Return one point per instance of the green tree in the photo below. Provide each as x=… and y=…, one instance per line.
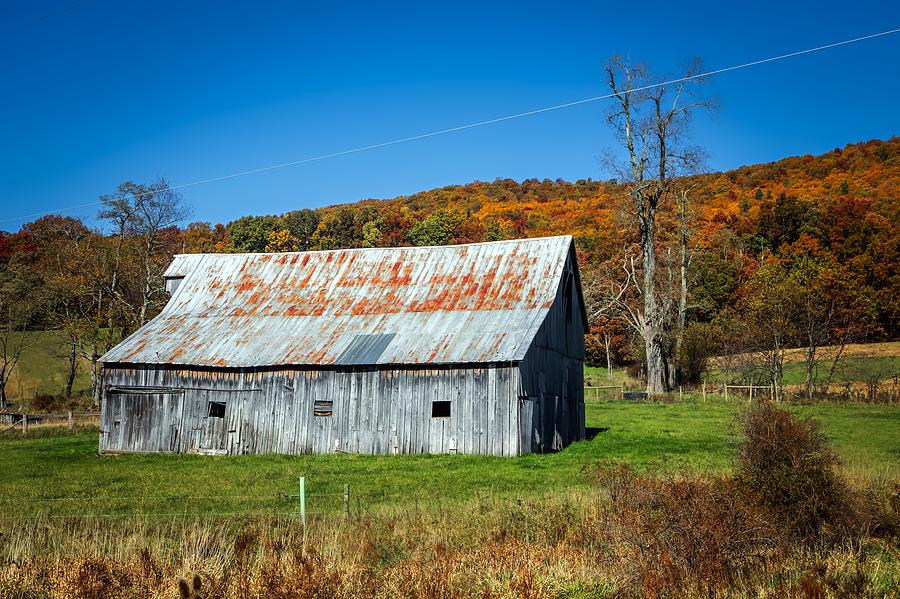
x=338, y=228
x=251, y=233
x=302, y=225
x=438, y=229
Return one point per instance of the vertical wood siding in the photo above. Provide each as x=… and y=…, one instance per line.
x=552, y=374
x=374, y=410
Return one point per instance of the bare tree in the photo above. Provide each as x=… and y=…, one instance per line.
x=685, y=252
x=155, y=212
x=831, y=310
x=142, y=214
x=770, y=309
x=119, y=211
x=651, y=122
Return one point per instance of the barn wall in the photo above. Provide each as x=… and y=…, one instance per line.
x=552, y=373
x=375, y=411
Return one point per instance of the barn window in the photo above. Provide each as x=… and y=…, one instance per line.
x=323, y=408
x=216, y=409
x=440, y=409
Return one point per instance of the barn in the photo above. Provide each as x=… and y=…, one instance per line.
x=474, y=349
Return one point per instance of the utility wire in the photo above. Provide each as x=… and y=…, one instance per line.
x=59, y=11
x=501, y=119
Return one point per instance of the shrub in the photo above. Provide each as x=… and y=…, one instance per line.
x=46, y=402
x=697, y=345
x=784, y=463
x=684, y=532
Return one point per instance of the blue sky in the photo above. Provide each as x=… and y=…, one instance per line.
x=111, y=90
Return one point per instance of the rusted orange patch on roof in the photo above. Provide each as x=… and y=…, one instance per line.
x=471, y=303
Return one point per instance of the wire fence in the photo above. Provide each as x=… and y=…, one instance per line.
x=322, y=503
x=149, y=506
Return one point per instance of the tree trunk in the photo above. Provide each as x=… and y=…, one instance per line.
x=834, y=364
x=776, y=369
x=95, y=381
x=606, y=341
x=684, y=237
x=810, y=369
x=73, y=367
x=657, y=365
x=655, y=348
x=148, y=279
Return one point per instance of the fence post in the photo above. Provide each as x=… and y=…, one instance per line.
x=24, y=424
x=704, y=391
x=346, y=501
x=726, y=391
x=751, y=393
x=303, y=501
x=71, y=421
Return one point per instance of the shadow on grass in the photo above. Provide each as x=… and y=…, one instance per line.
x=591, y=432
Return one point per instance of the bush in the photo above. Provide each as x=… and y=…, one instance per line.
x=784, y=463
x=684, y=532
x=697, y=345
x=46, y=402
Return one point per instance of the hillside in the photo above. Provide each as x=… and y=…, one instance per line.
x=807, y=239
x=859, y=180
x=842, y=206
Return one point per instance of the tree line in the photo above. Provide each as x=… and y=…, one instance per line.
x=677, y=264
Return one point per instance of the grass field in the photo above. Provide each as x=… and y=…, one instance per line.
x=859, y=362
x=848, y=370
x=686, y=436
x=42, y=368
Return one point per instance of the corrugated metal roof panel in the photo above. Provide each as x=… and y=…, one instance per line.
x=365, y=349
x=454, y=304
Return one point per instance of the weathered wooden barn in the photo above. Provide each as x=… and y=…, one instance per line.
x=460, y=349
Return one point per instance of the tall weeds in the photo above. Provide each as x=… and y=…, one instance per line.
x=636, y=534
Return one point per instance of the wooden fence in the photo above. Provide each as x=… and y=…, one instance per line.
x=598, y=389
x=594, y=392
x=11, y=420
x=769, y=390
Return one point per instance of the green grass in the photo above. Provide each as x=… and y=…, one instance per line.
x=43, y=368
x=688, y=435
x=848, y=370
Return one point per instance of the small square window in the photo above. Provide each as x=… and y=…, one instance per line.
x=323, y=408
x=440, y=409
x=216, y=409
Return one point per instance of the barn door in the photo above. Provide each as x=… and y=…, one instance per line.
x=213, y=436
x=528, y=433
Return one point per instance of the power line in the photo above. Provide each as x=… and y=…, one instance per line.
x=492, y=121
x=38, y=19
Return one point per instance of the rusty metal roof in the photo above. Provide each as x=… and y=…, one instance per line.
x=473, y=303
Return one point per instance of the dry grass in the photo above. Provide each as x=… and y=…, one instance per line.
x=628, y=533
x=658, y=537
x=851, y=350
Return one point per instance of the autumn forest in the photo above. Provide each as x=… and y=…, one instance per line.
x=802, y=252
